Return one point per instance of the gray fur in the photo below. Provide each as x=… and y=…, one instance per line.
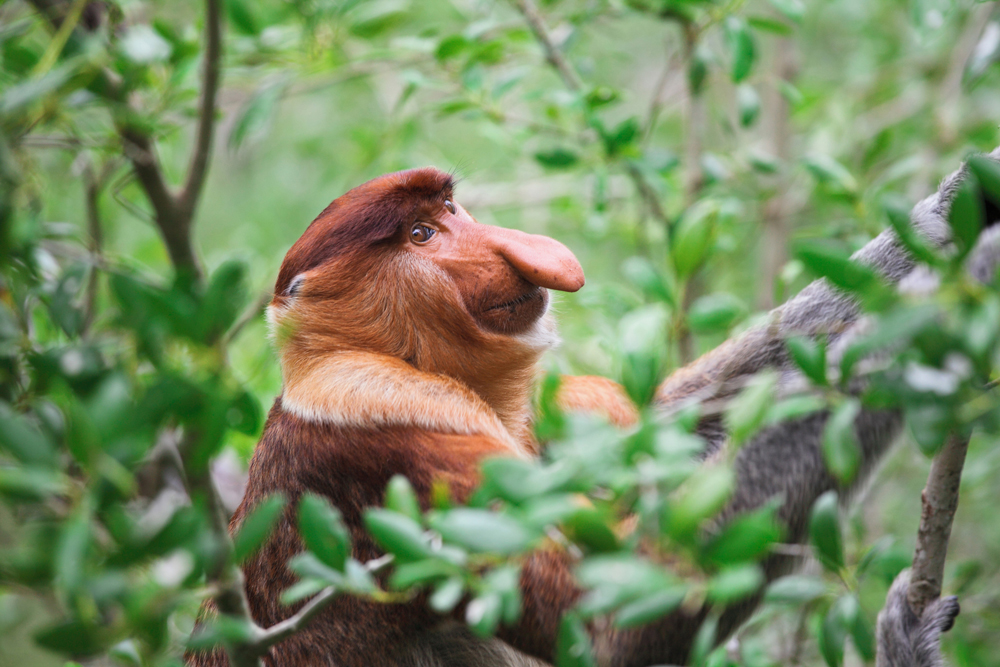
x=785, y=460
x=905, y=640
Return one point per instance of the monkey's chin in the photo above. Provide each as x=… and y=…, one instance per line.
x=516, y=316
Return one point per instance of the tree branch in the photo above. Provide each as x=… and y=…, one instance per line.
x=198, y=169
x=939, y=501
x=173, y=213
x=562, y=66
x=695, y=117
x=571, y=79
x=93, y=184
x=293, y=624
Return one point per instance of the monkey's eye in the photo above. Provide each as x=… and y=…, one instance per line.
x=421, y=234
x=450, y=205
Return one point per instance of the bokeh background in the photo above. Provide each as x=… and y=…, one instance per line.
x=750, y=125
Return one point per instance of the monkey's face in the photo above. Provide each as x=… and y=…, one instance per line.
x=502, y=276
x=396, y=267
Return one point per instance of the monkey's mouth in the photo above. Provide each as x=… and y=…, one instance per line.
x=516, y=315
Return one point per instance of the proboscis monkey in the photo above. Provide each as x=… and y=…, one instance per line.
x=409, y=335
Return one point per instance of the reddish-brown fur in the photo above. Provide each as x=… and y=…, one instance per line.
x=408, y=359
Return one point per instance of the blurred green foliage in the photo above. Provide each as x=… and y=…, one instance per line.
x=677, y=146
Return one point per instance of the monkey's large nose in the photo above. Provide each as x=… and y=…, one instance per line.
x=540, y=260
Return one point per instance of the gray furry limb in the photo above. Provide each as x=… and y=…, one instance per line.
x=785, y=460
x=903, y=639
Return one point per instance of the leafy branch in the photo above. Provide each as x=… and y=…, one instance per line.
x=173, y=210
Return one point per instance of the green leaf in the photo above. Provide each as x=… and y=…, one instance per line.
x=835, y=265
x=715, y=312
x=833, y=632
x=573, y=643
x=794, y=407
x=641, y=332
x=323, y=531
x=374, y=17
x=841, y=450
x=824, y=531
x=693, y=237
x=73, y=637
x=650, y=607
x=767, y=24
x=741, y=47
x=242, y=17
x=899, y=218
x=483, y=531
x=483, y=614
x=450, y=47
x=698, y=70
x=24, y=440
x=987, y=172
x=641, y=272
x=31, y=483
x=764, y=162
x=589, y=527
x=795, y=589
x=601, y=96
x=256, y=115
x=72, y=549
x=810, y=356
x=400, y=497
x=557, y=158
x=746, y=412
x=257, y=526
x=930, y=426
x=792, y=9
x=20, y=96
x=398, y=534
x=307, y=566
x=422, y=572
x=447, y=595
x=621, y=137
x=224, y=299
x=831, y=174
x=859, y=627
x=746, y=538
x=142, y=45
x=748, y=104
x=705, y=640
x=735, y=584
x=966, y=216
x=701, y=497
x=244, y=414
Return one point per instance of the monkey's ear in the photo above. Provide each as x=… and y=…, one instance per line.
x=294, y=285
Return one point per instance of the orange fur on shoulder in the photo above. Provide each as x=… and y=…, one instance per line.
x=592, y=394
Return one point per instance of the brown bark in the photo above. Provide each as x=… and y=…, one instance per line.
x=939, y=501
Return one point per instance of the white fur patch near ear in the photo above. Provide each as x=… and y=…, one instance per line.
x=362, y=389
x=295, y=285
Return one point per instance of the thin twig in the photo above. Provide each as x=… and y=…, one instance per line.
x=188, y=196
x=249, y=315
x=265, y=638
x=774, y=246
x=648, y=194
x=555, y=57
x=93, y=184
x=656, y=99
x=695, y=117
x=939, y=501
x=573, y=82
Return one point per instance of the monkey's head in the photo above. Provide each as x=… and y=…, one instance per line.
x=397, y=267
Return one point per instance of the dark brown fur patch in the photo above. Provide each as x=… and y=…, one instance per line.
x=368, y=214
